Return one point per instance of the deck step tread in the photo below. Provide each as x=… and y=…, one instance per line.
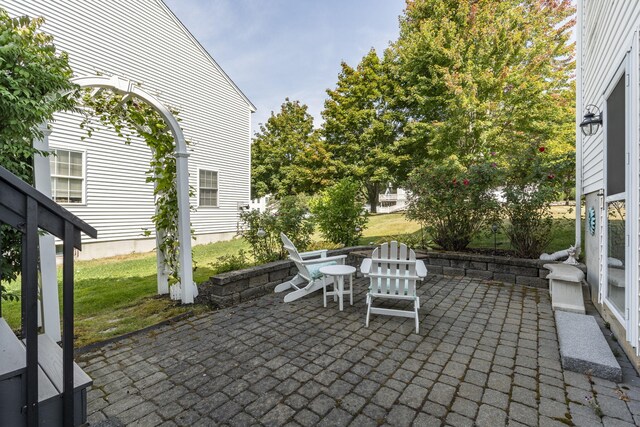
x=12, y=358
x=13, y=362
x=50, y=359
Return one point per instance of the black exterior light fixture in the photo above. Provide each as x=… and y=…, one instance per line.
x=591, y=121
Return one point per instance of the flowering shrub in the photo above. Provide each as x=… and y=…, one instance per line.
x=452, y=201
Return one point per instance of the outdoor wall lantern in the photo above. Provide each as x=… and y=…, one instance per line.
x=591, y=121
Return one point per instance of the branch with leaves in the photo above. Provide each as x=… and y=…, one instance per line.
x=130, y=118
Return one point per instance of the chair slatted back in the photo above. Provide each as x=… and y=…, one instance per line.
x=295, y=256
x=393, y=270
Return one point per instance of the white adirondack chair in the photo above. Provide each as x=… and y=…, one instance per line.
x=309, y=278
x=393, y=272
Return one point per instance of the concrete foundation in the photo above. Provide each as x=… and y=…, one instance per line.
x=94, y=250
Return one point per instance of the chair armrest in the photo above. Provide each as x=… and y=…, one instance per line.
x=365, y=267
x=421, y=269
x=321, y=253
x=325, y=259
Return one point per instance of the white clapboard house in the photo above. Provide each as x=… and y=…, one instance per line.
x=101, y=179
x=608, y=158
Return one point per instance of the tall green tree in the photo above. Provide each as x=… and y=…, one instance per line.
x=34, y=84
x=482, y=75
x=288, y=156
x=361, y=128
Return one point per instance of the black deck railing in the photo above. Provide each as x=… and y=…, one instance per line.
x=27, y=210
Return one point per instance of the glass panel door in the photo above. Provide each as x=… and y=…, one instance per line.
x=616, y=195
x=616, y=250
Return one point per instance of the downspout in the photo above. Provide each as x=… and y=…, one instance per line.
x=578, y=238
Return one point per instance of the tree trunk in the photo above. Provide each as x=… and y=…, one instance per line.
x=373, y=194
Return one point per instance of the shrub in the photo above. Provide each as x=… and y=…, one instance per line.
x=227, y=263
x=290, y=216
x=294, y=220
x=530, y=221
x=530, y=187
x=33, y=77
x=453, y=202
x=339, y=212
x=260, y=233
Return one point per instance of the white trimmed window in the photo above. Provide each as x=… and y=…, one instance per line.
x=67, y=176
x=208, y=188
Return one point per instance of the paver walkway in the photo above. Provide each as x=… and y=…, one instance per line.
x=487, y=355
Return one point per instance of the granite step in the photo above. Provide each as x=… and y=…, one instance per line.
x=583, y=347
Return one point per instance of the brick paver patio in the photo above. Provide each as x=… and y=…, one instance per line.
x=487, y=355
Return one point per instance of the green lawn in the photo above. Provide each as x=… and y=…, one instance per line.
x=117, y=295
x=383, y=226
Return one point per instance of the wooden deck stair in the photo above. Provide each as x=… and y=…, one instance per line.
x=50, y=385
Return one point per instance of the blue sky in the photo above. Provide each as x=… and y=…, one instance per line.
x=273, y=49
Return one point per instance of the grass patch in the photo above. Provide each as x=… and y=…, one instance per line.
x=117, y=295
x=381, y=226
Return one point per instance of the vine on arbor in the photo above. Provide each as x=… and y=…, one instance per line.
x=131, y=117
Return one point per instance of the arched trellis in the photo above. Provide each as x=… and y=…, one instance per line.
x=186, y=289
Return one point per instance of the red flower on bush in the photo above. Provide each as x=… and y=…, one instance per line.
x=465, y=182
x=551, y=176
x=541, y=149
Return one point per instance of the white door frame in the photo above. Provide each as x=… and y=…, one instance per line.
x=627, y=318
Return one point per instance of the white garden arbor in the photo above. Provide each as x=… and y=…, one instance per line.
x=186, y=289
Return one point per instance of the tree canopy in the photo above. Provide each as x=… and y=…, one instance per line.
x=287, y=154
x=480, y=76
x=361, y=128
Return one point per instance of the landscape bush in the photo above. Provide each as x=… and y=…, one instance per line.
x=339, y=212
x=34, y=84
x=289, y=215
x=530, y=186
x=453, y=202
x=231, y=262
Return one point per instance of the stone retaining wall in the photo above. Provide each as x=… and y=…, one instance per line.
x=224, y=290
x=526, y=272
x=230, y=288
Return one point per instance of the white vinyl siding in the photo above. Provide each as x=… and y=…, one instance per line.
x=609, y=57
x=67, y=176
x=143, y=42
x=208, y=188
x=607, y=33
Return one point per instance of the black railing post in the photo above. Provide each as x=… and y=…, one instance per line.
x=1, y=231
x=23, y=263
x=25, y=209
x=30, y=296
x=67, y=324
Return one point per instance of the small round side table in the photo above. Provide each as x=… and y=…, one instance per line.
x=338, y=272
